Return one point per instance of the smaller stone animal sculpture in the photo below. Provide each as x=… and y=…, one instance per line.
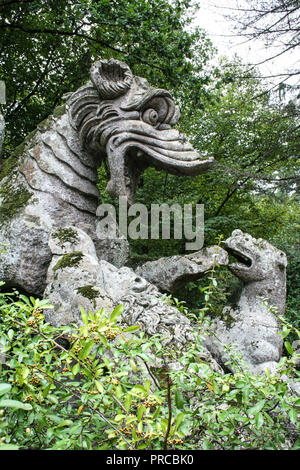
x=250, y=324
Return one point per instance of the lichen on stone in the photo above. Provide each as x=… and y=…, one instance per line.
x=59, y=110
x=8, y=166
x=31, y=135
x=69, y=260
x=43, y=125
x=65, y=235
x=89, y=292
x=10, y=163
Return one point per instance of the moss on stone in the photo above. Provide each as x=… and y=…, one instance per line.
x=10, y=163
x=43, y=125
x=59, y=110
x=8, y=166
x=31, y=135
x=227, y=318
x=14, y=197
x=65, y=235
x=89, y=292
x=19, y=150
x=69, y=260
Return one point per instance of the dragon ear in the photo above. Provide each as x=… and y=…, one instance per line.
x=112, y=78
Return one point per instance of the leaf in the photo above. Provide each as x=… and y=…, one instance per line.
x=133, y=365
x=296, y=446
x=259, y=420
x=209, y=386
x=25, y=372
x=128, y=401
x=45, y=304
x=15, y=404
x=84, y=316
x=103, y=340
x=53, y=399
x=25, y=299
x=245, y=395
x=285, y=331
x=4, y=388
x=137, y=389
x=147, y=385
x=131, y=328
x=289, y=348
x=76, y=369
x=99, y=386
x=8, y=447
x=256, y=408
x=87, y=349
x=206, y=444
x=116, y=313
x=141, y=411
x=179, y=419
x=157, y=411
x=293, y=415
x=65, y=422
x=80, y=409
x=46, y=391
x=179, y=399
x=119, y=417
x=10, y=334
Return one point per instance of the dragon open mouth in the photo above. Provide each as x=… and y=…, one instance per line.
x=240, y=257
x=133, y=146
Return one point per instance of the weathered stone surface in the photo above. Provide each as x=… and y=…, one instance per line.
x=69, y=239
x=76, y=278
x=39, y=191
x=72, y=277
x=75, y=269
x=143, y=304
x=114, y=250
x=169, y=274
x=251, y=325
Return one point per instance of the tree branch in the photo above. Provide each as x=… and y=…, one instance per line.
x=60, y=32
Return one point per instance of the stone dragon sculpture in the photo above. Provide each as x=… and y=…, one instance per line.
x=49, y=194
x=51, y=179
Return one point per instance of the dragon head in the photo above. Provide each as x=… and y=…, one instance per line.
x=122, y=117
x=256, y=258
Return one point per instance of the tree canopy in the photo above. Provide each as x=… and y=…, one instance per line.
x=277, y=24
x=47, y=48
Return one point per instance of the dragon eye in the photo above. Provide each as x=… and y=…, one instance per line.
x=160, y=110
x=150, y=116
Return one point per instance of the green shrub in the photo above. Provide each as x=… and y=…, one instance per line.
x=98, y=386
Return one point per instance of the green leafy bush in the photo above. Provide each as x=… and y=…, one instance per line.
x=101, y=386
